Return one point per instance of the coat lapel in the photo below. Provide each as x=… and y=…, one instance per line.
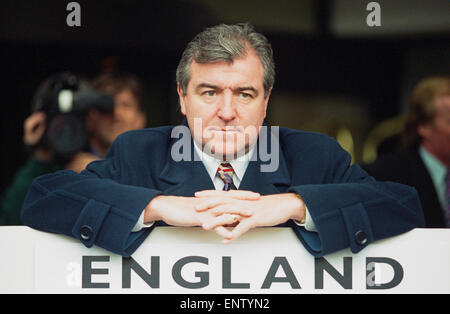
x=185, y=177
x=189, y=176
x=274, y=182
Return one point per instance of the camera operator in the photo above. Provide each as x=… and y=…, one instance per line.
x=129, y=113
x=63, y=132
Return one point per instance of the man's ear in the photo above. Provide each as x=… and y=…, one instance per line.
x=424, y=130
x=181, y=97
x=266, y=101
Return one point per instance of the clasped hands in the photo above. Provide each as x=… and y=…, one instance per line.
x=219, y=210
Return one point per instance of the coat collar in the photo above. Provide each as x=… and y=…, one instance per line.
x=186, y=177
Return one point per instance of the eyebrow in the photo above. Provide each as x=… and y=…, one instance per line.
x=247, y=88
x=238, y=89
x=205, y=85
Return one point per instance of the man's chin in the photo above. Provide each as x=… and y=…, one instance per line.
x=228, y=153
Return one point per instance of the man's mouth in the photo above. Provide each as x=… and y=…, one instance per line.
x=226, y=129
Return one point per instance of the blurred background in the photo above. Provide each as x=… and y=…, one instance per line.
x=335, y=74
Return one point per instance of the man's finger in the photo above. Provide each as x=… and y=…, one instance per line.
x=234, y=208
x=244, y=226
x=34, y=119
x=225, y=219
x=223, y=206
x=210, y=203
x=238, y=194
x=223, y=232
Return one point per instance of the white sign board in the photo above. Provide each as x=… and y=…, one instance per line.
x=193, y=261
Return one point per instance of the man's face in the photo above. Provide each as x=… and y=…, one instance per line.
x=436, y=134
x=228, y=99
x=127, y=116
x=127, y=113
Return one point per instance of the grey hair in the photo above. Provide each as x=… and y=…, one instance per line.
x=225, y=43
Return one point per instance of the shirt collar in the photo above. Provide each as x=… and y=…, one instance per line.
x=211, y=164
x=436, y=168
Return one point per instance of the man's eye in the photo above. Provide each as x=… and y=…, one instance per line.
x=125, y=104
x=210, y=93
x=245, y=95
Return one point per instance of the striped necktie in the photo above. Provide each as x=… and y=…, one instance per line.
x=447, y=196
x=225, y=173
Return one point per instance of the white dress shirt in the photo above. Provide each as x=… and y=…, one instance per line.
x=239, y=167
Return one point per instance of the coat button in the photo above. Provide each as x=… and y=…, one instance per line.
x=361, y=237
x=86, y=232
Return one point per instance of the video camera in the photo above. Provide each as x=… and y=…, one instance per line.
x=66, y=99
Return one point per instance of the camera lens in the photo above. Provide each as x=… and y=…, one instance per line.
x=66, y=135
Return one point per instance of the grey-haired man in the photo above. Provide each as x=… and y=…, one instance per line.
x=225, y=78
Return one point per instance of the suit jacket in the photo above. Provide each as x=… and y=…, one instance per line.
x=102, y=204
x=407, y=167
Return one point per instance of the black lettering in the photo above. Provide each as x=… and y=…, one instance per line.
x=226, y=276
x=290, y=277
x=370, y=273
x=88, y=271
x=151, y=279
x=204, y=276
x=322, y=265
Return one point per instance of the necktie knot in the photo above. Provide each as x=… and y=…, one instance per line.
x=225, y=172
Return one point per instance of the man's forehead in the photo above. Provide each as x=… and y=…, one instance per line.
x=243, y=71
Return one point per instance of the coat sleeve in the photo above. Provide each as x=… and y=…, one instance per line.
x=351, y=209
x=93, y=206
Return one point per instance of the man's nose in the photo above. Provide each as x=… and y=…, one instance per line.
x=227, y=109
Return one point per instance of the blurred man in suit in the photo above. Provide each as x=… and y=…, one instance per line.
x=223, y=168
x=425, y=163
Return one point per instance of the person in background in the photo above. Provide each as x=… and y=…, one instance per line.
x=128, y=115
x=222, y=180
x=102, y=127
x=424, y=163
